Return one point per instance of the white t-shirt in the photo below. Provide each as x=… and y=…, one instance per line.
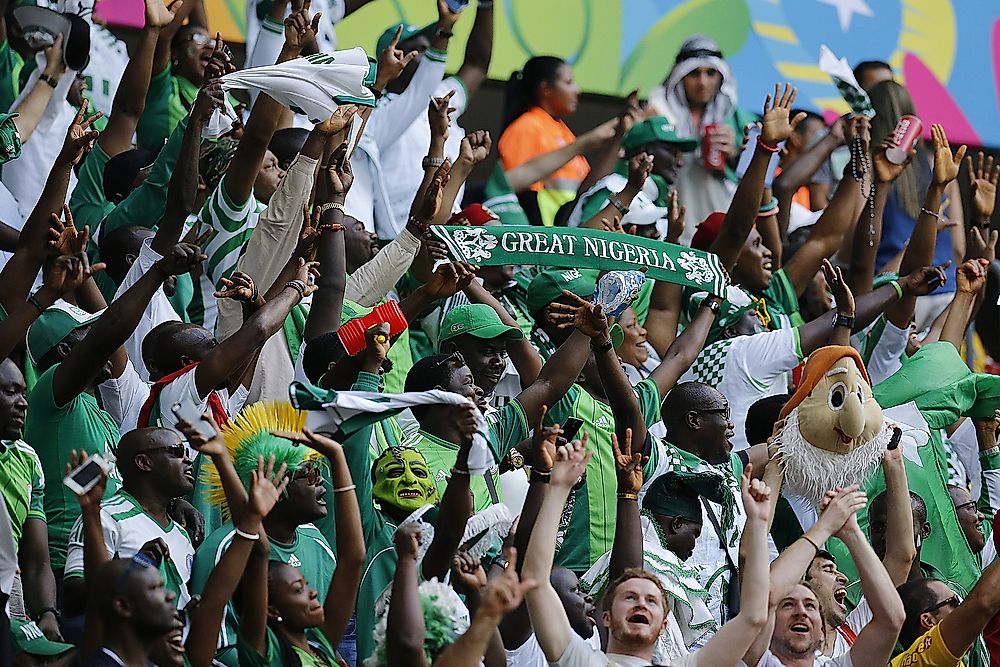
x=123, y=397
x=579, y=653
x=853, y=625
x=771, y=660
x=530, y=654
x=746, y=369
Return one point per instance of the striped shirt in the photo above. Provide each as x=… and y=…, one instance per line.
x=22, y=484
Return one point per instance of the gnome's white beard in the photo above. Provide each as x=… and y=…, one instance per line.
x=810, y=471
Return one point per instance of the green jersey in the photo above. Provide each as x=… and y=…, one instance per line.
x=587, y=528
x=309, y=553
x=81, y=424
x=11, y=64
x=22, y=484
x=167, y=102
x=281, y=654
x=506, y=428
x=782, y=302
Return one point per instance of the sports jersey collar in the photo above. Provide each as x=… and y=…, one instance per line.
x=128, y=496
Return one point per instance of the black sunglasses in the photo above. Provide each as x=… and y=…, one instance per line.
x=952, y=602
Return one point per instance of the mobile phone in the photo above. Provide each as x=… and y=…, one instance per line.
x=571, y=428
x=457, y=5
x=191, y=413
x=85, y=476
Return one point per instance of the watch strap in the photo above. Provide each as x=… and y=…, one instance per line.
x=434, y=162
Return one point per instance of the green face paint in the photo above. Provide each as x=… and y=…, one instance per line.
x=402, y=479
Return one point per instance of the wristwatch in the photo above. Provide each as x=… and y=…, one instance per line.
x=501, y=562
x=429, y=161
x=713, y=305
x=617, y=203
x=843, y=321
x=442, y=32
x=515, y=459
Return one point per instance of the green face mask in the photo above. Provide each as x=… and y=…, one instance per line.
x=403, y=480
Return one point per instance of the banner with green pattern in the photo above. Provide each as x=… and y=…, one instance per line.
x=582, y=248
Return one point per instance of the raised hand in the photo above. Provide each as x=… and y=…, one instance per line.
x=211, y=96
x=946, y=166
x=639, y=168
x=93, y=497
x=675, y=218
x=159, y=15
x=756, y=496
x=776, y=125
x=181, y=259
x=842, y=294
x=468, y=426
x=571, y=463
x=55, y=64
x=475, y=147
x=505, y=592
x=339, y=176
x=925, y=280
x=467, y=574
x=377, y=343
x=220, y=62
x=430, y=203
x=981, y=244
x=439, y=112
x=238, y=287
x=392, y=62
x=338, y=120
x=328, y=447
x=723, y=137
x=970, y=276
x=629, y=115
x=839, y=507
x=587, y=318
x=307, y=272
x=79, y=137
x=614, y=225
x=156, y=550
x=266, y=487
x=983, y=185
x=406, y=540
x=543, y=444
x=853, y=128
x=446, y=17
x=299, y=30
x=628, y=464
x=68, y=272
x=212, y=446
x=449, y=279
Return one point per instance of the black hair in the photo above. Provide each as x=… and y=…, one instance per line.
x=522, y=89
x=681, y=399
x=868, y=65
x=917, y=504
x=286, y=143
x=426, y=374
x=762, y=416
x=916, y=596
x=117, y=244
x=120, y=172
x=320, y=352
x=809, y=115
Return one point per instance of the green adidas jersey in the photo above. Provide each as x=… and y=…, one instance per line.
x=22, y=484
x=167, y=102
x=81, y=424
x=321, y=652
x=782, y=302
x=507, y=427
x=310, y=553
x=11, y=64
x=587, y=528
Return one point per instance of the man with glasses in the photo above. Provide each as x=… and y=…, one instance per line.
x=941, y=627
x=156, y=468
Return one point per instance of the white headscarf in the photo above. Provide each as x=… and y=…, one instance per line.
x=669, y=99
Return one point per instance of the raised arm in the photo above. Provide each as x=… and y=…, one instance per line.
x=733, y=639
x=32, y=107
x=474, y=149
x=254, y=608
x=970, y=280
x=742, y=213
x=455, y=507
x=548, y=617
x=899, y=543
x=404, y=636
x=962, y=627
x=801, y=171
x=875, y=642
x=478, y=50
x=685, y=348
x=627, y=549
x=639, y=168
x=94, y=554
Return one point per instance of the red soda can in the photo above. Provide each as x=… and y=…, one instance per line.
x=714, y=158
x=907, y=132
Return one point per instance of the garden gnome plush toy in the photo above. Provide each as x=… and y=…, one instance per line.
x=833, y=433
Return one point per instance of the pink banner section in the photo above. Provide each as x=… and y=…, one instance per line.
x=128, y=13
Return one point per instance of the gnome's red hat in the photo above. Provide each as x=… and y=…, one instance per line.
x=821, y=361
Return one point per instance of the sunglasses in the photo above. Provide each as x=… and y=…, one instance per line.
x=722, y=412
x=201, y=40
x=177, y=451
x=311, y=474
x=952, y=602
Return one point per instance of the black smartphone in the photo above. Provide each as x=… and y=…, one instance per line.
x=571, y=428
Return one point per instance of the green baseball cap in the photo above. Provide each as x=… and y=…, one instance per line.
x=10, y=140
x=476, y=319
x=29, y=638
x=409, y=32
x=655, y=129
x=55, y=324
x=548, y=286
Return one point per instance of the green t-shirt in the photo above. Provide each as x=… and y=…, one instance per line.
x=321, y=654
x=782, y=302
x=310, y=553
x=22, y=484
x=81, y=424
x=587, y=529
x=89, y=207
x=168, y=100
x=11, y=64
x=506, y=428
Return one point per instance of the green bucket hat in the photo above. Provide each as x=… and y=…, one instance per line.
x=476, y=319
x=737, y=302
x=409, y=31
x=548, y=286
x=10, y=140
x=677, y=493
x=655, y=129
x=53, y=325
x=29, y=638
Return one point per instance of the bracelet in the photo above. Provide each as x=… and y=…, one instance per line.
x=49, y=610
x=813, y=544
x=899, y=290
x=34, y=302
x=617, y=203
x=601, y=348
x=991, y=451
x=456, y=471
x=628, y=496
x=421, y=225
x=841, y=320
x=51, y=80
x=712, y=305
x=334, y=205
x=429, y=161
x=298, y=286
x=932, y=213
x=768, y=148
x=253, y=537
x=542, y=476
x=346, y=488
x=769, y=206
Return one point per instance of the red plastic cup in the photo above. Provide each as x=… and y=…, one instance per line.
x=713, y=156
x=352, y=332
x=907, y=132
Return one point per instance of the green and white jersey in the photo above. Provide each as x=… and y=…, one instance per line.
x=746, y=369
x=232, y=224
x=587, y=527
x=322, y=653
x=507, y=427
x=81, y=424
x=310, y=554
x=22, y=483
x=127, y=527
